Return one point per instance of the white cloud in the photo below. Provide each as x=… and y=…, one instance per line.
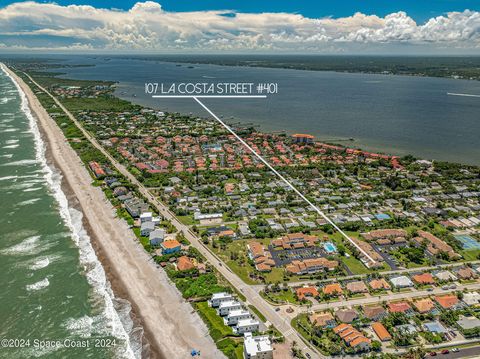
x=146, y=26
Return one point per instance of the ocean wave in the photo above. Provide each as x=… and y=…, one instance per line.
x=11, y=142
x=28, y=202
x=26, y=162
x=44, y=283
x=11, y=146
x=32, y=189
x=40, y=263
x=11, y=129
x=29, y=246
x=6, y=178
x=73, y=220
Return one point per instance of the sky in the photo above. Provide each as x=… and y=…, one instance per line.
x=307, y=26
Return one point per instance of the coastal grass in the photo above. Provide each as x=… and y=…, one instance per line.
x=257, y=313
x=218, y=329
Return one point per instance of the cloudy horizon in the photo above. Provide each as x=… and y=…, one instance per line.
x=146, y=27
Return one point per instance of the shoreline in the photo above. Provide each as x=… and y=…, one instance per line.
x=130, y=273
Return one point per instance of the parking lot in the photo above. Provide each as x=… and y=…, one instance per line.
x=284, y=257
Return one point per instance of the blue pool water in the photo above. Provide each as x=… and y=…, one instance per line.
x=330, y=247
x=468, y=242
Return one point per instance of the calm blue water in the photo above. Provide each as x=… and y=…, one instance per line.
x=392, y=114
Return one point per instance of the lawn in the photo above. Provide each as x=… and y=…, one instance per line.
x=257, y=313
x=281, y=296
x=186, y=220
x=241, y=265
x=470, y=255
x=355, y=265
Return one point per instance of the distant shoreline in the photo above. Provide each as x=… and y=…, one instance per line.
x=157, y=305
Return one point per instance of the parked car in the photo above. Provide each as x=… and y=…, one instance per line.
x=445, y=351
x=433, y=354
x=455, y=350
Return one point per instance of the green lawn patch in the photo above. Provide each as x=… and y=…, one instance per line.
x=218, y=329
x=257, y=312
x=470, y=255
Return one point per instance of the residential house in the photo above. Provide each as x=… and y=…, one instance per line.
x=258, y=347
x=170, y=246
x=346, y=315
x=381, y=332
x=445, y=276
x=323, y=319
x=375, y=312
x=379, y=284
x=352, y=337
x=226, y=307
x=435, y=327
x=234, y=316
x=400, y=307
x=467, y=323
x=466, y=273
x=146, y=228
x=357, y=287
x=424, y=305
x=401, y=282
x=156, y=237
x=423, y=279
x=218, y=298
x=448, y=301
x=333, y=289
x=248, y=325
x=310, y=266
x=435, y=245
x=260, y=256
x=471, y=298
x=185, y=263
x=306, y=292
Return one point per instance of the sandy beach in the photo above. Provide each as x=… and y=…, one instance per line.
x=172, y=328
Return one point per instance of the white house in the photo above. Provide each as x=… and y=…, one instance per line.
x=257, y=347
x=227, y=307
x=146, y=228
x=246, y=325
x=401, y=282
x=218, y=298
x=208, y=218
x=146, y=217
x=156, y=237
x=471, y=298
x=235, y=315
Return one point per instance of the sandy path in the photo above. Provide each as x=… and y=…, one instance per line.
x=171, y=326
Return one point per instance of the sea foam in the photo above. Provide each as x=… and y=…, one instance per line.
x=73, y=220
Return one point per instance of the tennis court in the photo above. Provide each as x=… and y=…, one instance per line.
x=468, y=242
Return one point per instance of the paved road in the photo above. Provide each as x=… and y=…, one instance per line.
x=389, y=297
x=383, y=273
x=281, y=323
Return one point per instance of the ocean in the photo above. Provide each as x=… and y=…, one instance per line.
x=53, y=286
x=386, y=113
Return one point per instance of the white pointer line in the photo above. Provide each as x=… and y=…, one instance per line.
x=209, y=96
x=462, y=94
x=285, y=180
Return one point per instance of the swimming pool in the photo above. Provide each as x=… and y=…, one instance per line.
x=329, y=247
x=468, y=242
